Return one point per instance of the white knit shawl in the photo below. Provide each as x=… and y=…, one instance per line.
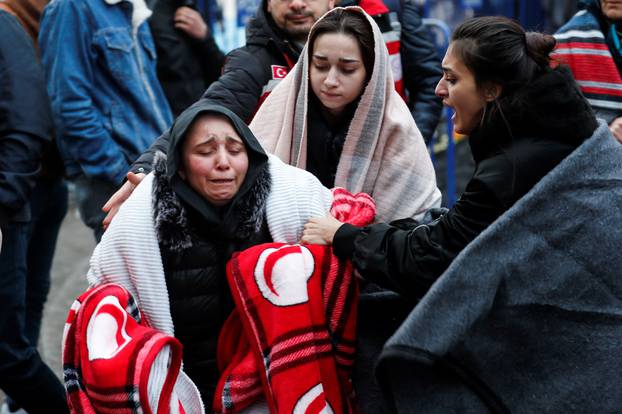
x=129, y=253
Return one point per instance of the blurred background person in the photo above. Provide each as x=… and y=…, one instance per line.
x=25, y=133
x=590, y=45
x=189, y=59
x=107, y=103
x=48, y=202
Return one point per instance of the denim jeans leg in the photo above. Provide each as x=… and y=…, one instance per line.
x=91, y=195
x=23, y=375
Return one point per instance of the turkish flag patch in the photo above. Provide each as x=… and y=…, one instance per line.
x=279, y=72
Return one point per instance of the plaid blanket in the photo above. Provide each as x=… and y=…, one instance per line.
x=113, y=363
x=292, y=336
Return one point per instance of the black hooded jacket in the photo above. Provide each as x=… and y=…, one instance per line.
x=547, y=120
x=245, y=73
x=197, y=239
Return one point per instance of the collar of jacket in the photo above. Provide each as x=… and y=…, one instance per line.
x=551, y=106
x=140, y=11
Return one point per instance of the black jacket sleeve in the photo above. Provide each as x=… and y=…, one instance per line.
x=238, y=89
x=25, y=118
x=409, y=261
x=421, y=70
x=241, y=84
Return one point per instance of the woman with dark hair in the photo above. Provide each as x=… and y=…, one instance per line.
x=517, y=286
x=522, y=118
x=337, y=115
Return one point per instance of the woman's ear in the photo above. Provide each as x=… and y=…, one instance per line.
x=492, y=92
x=182, y=173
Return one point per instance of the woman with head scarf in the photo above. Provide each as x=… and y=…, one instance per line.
x=337, y=115
x=218, y=192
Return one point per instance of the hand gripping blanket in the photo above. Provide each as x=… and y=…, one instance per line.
x=292, y=337
x=114, y=363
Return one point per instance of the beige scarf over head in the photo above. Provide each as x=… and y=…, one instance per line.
x=384, y=154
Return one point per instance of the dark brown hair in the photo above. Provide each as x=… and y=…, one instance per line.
x=497, y=49
x=350, y=22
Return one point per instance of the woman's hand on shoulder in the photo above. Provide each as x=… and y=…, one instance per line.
x=320, y=230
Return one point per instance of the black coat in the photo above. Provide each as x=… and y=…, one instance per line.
x=197, y=239
x=548, y=120
x=245, y=73
x=25, y=119
x=186, y=67
x=325, y=141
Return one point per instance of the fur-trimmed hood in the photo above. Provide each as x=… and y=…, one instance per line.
x=176, y=202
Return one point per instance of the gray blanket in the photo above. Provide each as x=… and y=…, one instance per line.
x=528, y=318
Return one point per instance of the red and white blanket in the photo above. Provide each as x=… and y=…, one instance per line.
x=115, y=364
x=291, y=339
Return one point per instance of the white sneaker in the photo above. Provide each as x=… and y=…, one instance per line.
x=5, y=410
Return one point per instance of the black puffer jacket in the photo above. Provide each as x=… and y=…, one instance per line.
x=247, y=70
x=547, y=120
x=196, y=241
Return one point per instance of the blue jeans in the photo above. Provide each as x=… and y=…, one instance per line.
x=48, y=208
x=23, y=375
x=91, y=195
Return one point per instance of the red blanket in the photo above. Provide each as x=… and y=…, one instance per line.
x=292, y=337
x=108, y=355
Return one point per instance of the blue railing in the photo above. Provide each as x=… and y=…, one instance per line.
x=436, y=25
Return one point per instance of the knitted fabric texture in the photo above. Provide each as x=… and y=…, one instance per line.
x=383, y=155
x=113, y=362
x=291, y=338
x=582, y=46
